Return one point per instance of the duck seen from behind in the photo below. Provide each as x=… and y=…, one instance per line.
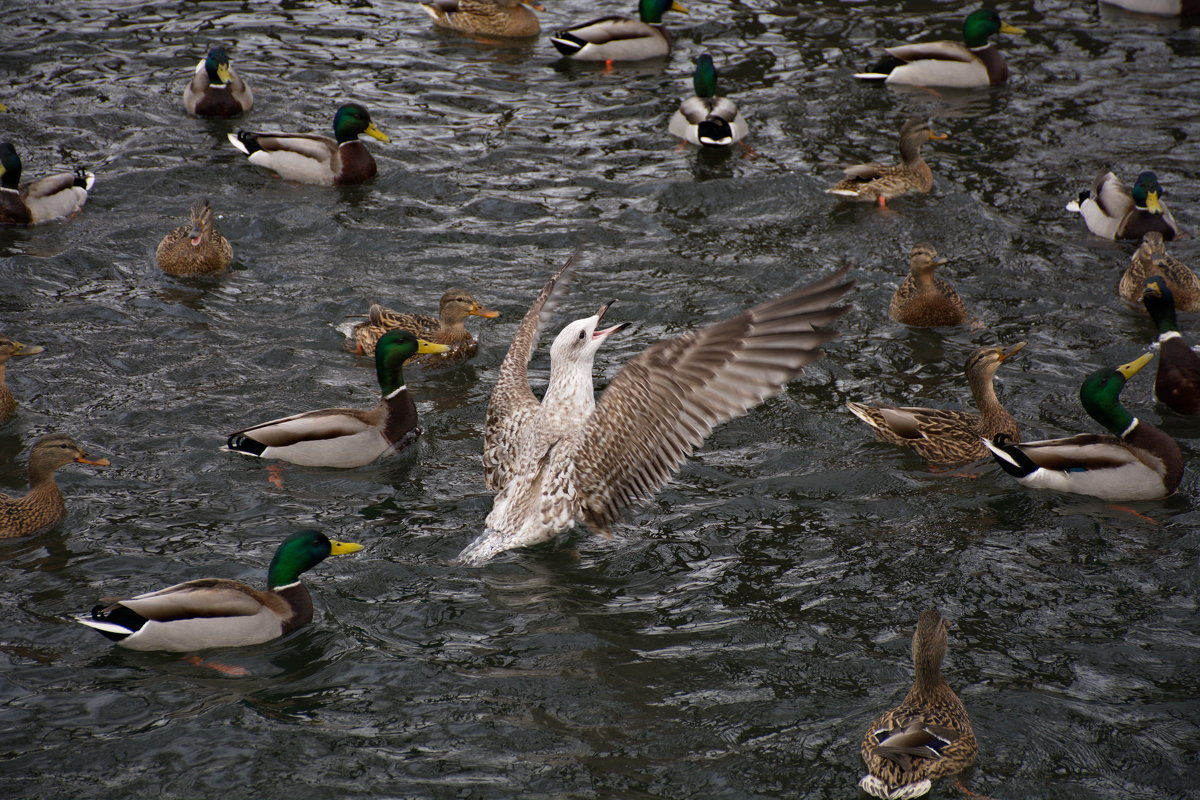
x=10, y=348
x=346, y=437
x=946, y=436
x=197, y=248
x=707, y=119
x=488, y=18
x=46, y=199
x=881, y=182
x=215, y=89
x=1177, y=383
x=969, y=64
x=1135, y=461
x=929, y=735
x=446, y=328
x=42, y=507
x=922, y=299
x=1150, y=259
x=310, y=158
x=620, y=38
x=217, y=612
x=1114, y=211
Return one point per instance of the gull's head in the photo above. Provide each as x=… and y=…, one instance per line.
x=579, y=341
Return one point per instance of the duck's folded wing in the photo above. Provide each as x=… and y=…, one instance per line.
x=49, y=186
x=938, y=51
x=696, y=109
x=512, y=404
x=664, y=402
x=209, y=597
x=329, y=423
x=863, y=172
x=320, y=148
x=1112, y=196
x=923, y=423
x=1086, y=451
x=607, y=29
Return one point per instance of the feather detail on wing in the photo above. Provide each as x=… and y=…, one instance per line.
x=48, y=186
x=1086, y=451
x=329, y=423
x=512, y=404
x=208, y=597
x=667, y=400
x=320, y=148
x=609, y=29
x=938, y=51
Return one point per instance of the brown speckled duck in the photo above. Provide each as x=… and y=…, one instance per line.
x=42, y=507
x=882, y=182
x=1151, y=258
x=923, y=299
x=8, y=349
x=509, y=19
x=197, y=248
x=446, y=328
x=928, y=736
x=946, y=436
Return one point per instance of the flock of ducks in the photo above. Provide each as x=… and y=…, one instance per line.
x=567, y=459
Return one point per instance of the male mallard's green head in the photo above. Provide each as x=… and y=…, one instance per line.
x=216, y=64
x=704, y=79
x=302, y=551
x=1160, y=304
x=651, y=11
x=981, y=25
x=1100, y=394
x=10, y=166
x=392, y=350
x=351, y=121
x=1146, y=193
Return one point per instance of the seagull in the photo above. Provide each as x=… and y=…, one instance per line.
x=568, y=459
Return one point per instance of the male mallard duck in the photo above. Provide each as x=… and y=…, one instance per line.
x=1177, y=384
x=503, y=18
x=45, y=199
x=215, y=90
x=1111, y=210
x=620, y=38
x=707, y=119
x=569, y=458
x=969, y=65
x=195, y=249
x=218, y=612
x=944, y=436
x=42, y=507
x=346, y=437
x=1151, y=258
x=446, y=328
x=928, y=736
x=923, y=299
x=8, y=349
x=1138, y=462
x=309, y=158
x=880, y=182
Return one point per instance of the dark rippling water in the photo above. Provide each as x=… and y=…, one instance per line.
x=738, y=636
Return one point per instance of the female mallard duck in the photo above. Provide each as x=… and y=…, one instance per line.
x=969, y=65
x=509, y=19
x=1151, y=259
x=309, y=158
x=218, y=612
x=945, y=436
x=346, y=437
x=1177, y=384
x=215, y=90
x=45, y=199
x=928, y=736
x=1137, y=462
x=880, y=182
x=42, y=507
x=707, y=119
x=8, y=349
x=195, y=249
x=1113, y=211
x=446, y=328
x=923, y=299
x=620, y=38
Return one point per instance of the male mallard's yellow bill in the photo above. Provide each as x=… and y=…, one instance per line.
x=486, y=313
x=430, y=347
x=1013, y=29
x=223, y=73
x=26, y=349
x=342, y=548
x=99, y=462
x=938, y=136
x=1153, y=289
x=3, y=107
x=1011, y=351
x=375, y=133
x=675, y=6
x=1152, y=203
x=1131, y=369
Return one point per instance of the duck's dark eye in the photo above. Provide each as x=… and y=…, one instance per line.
x=582, y=334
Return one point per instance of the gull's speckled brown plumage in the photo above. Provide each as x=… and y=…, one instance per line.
x=923, y=299
x=8, y=349
x=947, y=436
x=42, y=506
x=446, y=328
x=882, y=182
x=928, y=736
x=1151, y=258
x=196, y=248
x=503, y=18
x=570, y=459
